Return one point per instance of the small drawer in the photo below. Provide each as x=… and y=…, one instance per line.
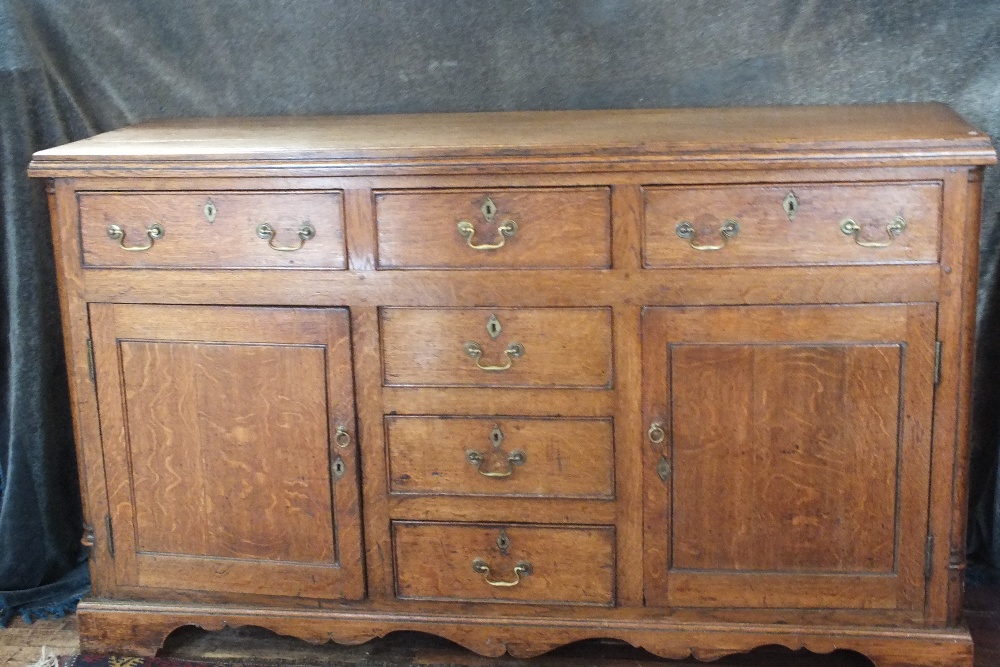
x=497, y=347
x=814, y=223
x=505, y=563
x=524, y=228
x=212, y=229
x=501, y=456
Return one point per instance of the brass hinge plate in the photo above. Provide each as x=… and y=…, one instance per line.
x=937, y=363
x=110, y=534
x=90, y=360
x=929, y=557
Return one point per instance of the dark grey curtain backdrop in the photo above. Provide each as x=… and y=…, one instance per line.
x=72, y=69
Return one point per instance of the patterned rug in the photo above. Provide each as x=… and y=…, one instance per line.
x=123, y=661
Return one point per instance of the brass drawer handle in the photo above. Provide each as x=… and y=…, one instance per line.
x=266, y=232
x=655, y=433
x=521, y=569
x=894, y=228
x=342, y=437
x=155, y=232
x=475, y=351
x=729, y=229
x=506, y=230
x=515, y=458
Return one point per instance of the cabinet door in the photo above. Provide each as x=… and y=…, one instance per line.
x=229, y=448
x=789, y=462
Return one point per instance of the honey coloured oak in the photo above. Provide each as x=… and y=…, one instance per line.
x=500, y=456
x=792, y=224
x=212, y=229
x=504, y=563
x=695, y=379
x=536, y=228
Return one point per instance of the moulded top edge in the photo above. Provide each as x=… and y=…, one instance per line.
x=890, y=132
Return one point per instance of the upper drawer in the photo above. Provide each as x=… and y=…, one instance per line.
x=524, y=228
x=212, y=229
x=497, y=347
x=726, y=225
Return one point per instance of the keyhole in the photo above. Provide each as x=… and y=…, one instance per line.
x=489, y=209
x=791, y=205
x=503, y=543
x=339, y=468
x=496, y=436
x=493, y=327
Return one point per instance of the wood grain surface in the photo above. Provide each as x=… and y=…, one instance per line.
x=812, y=236
x=562, y=458
x=569, y=565
x=230, y=240
x=555, y=228
x=812, y=392
x=563, y=347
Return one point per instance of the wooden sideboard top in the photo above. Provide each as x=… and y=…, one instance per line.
x=897, y=134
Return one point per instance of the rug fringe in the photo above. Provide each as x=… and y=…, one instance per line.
x=48, y=658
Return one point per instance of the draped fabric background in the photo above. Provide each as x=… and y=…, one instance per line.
x=71, y=69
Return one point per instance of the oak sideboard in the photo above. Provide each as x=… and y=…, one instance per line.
x=695, y=379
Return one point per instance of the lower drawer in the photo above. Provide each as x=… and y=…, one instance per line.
x=505, y=563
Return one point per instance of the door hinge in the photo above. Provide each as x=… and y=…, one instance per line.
x=110, y=535
x=937, y=363
x=929, y=556
x=90, y=360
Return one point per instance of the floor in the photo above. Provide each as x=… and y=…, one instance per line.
x=21, y=644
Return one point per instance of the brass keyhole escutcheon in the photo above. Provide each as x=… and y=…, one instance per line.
x=489, y=209
x=210, y=211
x=503, y=543
x=339, y=468
x=493, y=327
x=663, y=469
x=791, y=205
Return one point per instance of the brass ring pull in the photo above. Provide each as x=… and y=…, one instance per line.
x=521, y=569
x=506, y=230
x=266, y=232
x=475, y=351
x=656, y=434
x=729, y=229
x=894, y=228
x=155, y=232
x=342, y=437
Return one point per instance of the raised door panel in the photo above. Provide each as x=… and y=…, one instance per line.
x=788, y=455
x=227, y=441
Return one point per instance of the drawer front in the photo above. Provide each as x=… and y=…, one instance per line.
x=513, y=228
x=501, y=456
x=505, y=563
x=497, y=347
x=723, y=225
x=212, y=229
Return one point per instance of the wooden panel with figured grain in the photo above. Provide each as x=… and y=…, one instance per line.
x=253, y=447
x=796, y=441
x=780, y=453
x=221, y=433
